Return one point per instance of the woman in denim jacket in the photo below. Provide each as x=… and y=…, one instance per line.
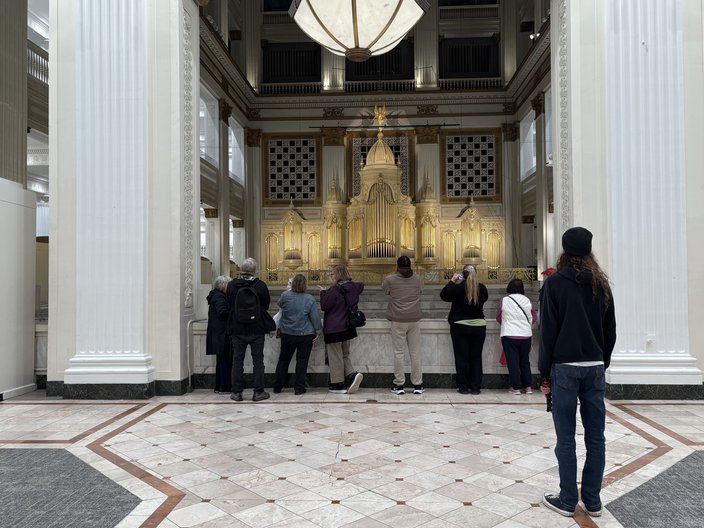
x=299, y=326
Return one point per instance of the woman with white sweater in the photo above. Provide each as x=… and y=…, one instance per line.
x=517, y=316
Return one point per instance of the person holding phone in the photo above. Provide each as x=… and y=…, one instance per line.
x=467, y=327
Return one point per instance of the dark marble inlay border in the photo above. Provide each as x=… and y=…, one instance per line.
x=654, y=392
x=108, y=391
x=171, y=387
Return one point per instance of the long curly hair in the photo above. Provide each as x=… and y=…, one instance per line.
x=587, y=263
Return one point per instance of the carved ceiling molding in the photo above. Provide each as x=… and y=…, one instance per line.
x=334, y=111
x=429, y=109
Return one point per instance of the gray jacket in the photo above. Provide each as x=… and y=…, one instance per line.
x=299, y=314
x=404, y=288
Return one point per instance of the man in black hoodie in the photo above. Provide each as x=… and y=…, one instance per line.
x=577, y=336
x=251, y=332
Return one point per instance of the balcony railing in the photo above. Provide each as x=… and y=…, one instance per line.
x=470, y=11
x=37, y=62
x=290, y=88
x=477, y=83
x=277, y=17
x=380, y=86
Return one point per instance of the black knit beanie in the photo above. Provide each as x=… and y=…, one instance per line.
x=577, y=241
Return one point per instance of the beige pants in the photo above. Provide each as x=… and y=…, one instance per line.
x=339, y=361
x=402, y=335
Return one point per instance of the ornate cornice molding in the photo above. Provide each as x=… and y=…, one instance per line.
x=427, y=134
x=37, y=156
x=333, y=137
x=253, y=137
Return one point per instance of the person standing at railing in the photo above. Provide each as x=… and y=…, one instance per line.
x=336, y=302
x=467, y=327
x=404, y=311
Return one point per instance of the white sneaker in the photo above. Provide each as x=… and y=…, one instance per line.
x=517, y=392
x=356, y=382
x=398, y=390
x=418, y=389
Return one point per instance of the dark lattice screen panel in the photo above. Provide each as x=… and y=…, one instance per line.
x=398, y=145
x=292, y=169
x=471, y=166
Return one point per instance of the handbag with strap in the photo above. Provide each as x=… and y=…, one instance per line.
x=355, y=317
x=521, y=308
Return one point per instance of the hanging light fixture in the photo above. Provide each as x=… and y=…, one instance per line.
x=357, y=29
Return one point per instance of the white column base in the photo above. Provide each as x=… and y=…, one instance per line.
x=653, y=369
x=109, y=369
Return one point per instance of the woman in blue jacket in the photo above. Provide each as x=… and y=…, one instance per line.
x=299, y=326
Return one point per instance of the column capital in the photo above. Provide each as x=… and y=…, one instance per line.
x=210, y=212
x=510, y=131
x=333, y=137
x=427, y=134
x=225, y=111
x=538, y=104
x=253, y=137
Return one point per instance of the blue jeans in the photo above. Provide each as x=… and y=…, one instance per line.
x=587, y=384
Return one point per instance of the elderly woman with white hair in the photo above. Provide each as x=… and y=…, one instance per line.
x=467, y=327
x=217, y=342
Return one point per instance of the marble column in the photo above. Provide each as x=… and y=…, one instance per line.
x=512, y=194
x=124, y=215
x=253, y=192
x=253, y=42
x=223, y=230
x=647, y=190
x=541, y=184
x=13, y=91
x=425, y=49
x=621, y=170
x=509, y=35
x=332, y=71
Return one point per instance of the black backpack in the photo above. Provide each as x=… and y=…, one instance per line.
x=246, y=308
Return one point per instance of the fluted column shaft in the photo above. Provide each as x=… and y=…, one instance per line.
x=13, y=92
x=509, y=34
x=332, y=71
x=425, y=48
x=123, y=266
x=541, y=184
x=253, y=191
x=647, y=192
x=253, y=42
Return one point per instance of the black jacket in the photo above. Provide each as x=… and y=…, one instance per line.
x=461, y=309
x=574, y=325
x=266, y=322
x=216, y=340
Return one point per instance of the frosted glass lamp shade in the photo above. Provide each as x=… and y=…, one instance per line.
x=357, y=29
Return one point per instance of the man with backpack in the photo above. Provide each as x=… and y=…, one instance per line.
x=249, y=322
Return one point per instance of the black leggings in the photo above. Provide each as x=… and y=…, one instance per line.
x=468, y=342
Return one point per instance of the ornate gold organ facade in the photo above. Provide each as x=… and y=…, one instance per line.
x=380, y=224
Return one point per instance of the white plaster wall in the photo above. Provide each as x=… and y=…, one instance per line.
x=693, y=28
x=17, y=291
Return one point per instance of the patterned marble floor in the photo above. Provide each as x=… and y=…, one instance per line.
x=373, y=459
